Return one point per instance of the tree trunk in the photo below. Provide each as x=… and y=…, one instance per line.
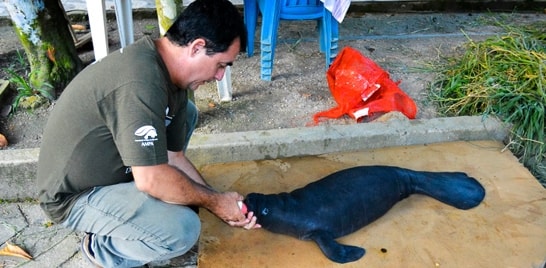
x=43, y=29
x=167, y=11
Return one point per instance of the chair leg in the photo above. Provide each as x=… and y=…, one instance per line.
x=97, y=21
x=124, y=17
x=250, y=16
x=224, y=86
x=329, y=37
x=334, y=48
x=270, y=24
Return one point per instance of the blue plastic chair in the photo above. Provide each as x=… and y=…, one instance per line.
x=274, y=10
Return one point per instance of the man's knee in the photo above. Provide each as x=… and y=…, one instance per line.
x=184, y=230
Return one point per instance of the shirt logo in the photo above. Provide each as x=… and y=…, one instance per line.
x=168, y=118
x=147, y=135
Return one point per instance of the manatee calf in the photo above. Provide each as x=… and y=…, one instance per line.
x=348, y=200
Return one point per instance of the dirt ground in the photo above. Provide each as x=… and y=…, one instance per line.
x=407, y=45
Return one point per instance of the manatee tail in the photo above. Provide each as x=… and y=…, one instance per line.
x=333, y=250
x=453, y=188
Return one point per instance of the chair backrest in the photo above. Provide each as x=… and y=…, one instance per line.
x=301, y=9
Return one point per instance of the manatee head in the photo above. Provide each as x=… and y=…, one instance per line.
x=258, y=203
x=272, y=212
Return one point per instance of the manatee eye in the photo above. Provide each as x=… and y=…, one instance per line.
x=265, y=211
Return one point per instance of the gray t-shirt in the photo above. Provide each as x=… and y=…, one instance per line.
x=120, y=112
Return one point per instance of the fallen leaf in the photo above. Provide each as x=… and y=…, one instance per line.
x=3, y=141
x=51, y=54
x=78, y=27
x=13, y=250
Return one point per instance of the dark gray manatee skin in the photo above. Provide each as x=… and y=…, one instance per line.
x=347, y=200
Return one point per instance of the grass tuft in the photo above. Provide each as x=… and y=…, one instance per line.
x=503, y=76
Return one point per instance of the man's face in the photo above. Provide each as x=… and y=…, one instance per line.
x=209, y=68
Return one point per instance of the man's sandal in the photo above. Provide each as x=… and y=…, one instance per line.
x=87, y=252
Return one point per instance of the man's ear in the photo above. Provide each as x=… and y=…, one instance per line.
x=197, y=45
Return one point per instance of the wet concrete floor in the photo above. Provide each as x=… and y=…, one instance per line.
x=506, y=230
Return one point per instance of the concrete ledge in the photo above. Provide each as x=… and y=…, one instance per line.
x=271, y=144
x=18, y=167
x=18, y=173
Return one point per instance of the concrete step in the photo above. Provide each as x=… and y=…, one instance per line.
x=18, y=167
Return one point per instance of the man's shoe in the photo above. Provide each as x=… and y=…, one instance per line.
x=87, y=252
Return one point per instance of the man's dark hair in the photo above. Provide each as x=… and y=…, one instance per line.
x=217, y=21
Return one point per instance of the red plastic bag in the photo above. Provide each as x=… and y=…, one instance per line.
x=361, y=88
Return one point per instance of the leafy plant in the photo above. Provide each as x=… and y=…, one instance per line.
x=149, y=27
x=503, y=76
x=24, y=89
x=23, y=86
x=21, y=59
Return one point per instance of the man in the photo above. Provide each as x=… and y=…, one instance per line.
x=112, y=158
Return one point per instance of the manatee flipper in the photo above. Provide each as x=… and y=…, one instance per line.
x=335, y=251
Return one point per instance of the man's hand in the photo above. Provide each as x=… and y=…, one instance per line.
x=228, y=210
x=248, y=223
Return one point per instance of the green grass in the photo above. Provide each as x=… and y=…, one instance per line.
x=503, y=76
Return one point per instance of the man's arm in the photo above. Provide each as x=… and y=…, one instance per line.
x=172, y=185
x=178, y=160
